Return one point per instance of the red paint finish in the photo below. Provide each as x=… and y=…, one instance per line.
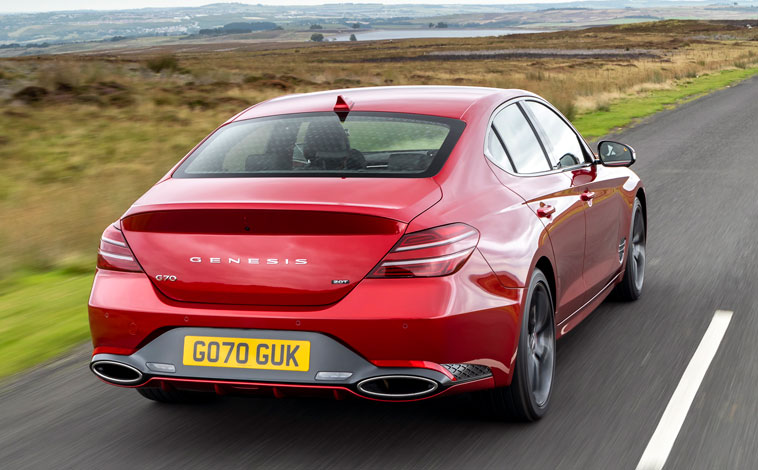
x=258, y=257
x=233, y=245
x=381, y=319
x=393, y=198
x=564, y=230
x=604, y=228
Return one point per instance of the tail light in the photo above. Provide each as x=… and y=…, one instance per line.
x=437, y=251
x=114, y=252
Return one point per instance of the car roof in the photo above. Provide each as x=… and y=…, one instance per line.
x=444, y=101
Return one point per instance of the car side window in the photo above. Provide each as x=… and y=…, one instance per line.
x=565, y=149
x=520, y=141
x=496, y=153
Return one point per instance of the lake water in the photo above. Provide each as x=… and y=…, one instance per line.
x=429, y=33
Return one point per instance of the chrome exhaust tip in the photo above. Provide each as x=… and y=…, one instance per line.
x=397, y=387
x=116, y=372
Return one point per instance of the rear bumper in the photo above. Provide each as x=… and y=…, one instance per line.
x=384, y=326
x=326, y=355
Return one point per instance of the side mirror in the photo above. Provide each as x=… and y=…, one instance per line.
x=615, y=154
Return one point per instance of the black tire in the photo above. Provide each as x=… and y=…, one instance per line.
x=175, y=396
x=528, y=396
x=630, y=287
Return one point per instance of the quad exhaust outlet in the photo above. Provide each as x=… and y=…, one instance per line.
x=116, y=372
x=397, y=386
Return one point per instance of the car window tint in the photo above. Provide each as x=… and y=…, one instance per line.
x=322, y=144
x=565, y=149
x=238, y=151
x=496, y=152
x=520, y=142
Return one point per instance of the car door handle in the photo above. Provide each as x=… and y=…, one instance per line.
x=587, y=196
x=545, y=211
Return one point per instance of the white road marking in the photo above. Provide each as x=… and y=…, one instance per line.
x=659, y=447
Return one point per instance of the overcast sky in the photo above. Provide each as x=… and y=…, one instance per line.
x=56, y=5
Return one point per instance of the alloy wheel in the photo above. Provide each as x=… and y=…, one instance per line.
x=540, y=345
x=638, y=251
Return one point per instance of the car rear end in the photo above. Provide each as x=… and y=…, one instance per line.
x=276, y=259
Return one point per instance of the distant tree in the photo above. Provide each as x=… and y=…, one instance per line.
x=353, y=38
x=316, y=26
x=442, y=24
x=431, y=25
x=239, y=28
x=356, y=25
x=317, y=37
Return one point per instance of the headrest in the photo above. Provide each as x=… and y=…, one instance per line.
x=324, y=136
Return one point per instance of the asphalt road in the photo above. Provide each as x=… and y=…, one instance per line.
x=616, y=372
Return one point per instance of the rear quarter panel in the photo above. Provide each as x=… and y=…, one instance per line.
x=512, y=238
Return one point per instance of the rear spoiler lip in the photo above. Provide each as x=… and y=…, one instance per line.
x=378, y=211
x=403, y=200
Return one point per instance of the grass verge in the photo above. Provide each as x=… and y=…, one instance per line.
x=626, y=111
x=41, y=316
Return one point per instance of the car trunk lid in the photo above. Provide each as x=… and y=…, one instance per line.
x=270, y=241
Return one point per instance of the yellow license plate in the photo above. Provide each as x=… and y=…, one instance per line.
x=246, y=353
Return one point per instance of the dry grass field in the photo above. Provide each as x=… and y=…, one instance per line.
x=81, y=136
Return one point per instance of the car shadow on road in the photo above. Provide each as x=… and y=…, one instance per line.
x=309, y=431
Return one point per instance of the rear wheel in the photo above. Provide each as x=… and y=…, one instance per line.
x=175, y=396
x=630, y=287
x=528, y=396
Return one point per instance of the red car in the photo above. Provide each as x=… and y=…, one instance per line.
x=395, y=243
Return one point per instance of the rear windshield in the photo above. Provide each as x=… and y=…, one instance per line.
x=320, y=144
